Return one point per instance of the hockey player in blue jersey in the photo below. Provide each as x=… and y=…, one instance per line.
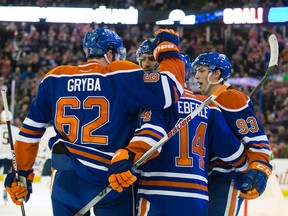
x=175, y=179
x=93, y=108
x=144, y=56
x=226, y=193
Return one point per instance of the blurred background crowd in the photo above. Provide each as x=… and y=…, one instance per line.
x=29, y=50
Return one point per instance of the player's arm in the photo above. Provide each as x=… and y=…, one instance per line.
x=243, y=122
x=238, y=111
x=224, y=144
x=26, y=149
x=120, y=174
x=166, y=52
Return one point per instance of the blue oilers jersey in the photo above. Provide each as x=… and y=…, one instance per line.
x=237, y=108
x=94, y=110
x=175, y=178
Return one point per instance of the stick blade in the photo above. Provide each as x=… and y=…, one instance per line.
x=274, y=47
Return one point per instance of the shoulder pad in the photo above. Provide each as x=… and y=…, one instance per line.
x=232, y=99
x=122, y=65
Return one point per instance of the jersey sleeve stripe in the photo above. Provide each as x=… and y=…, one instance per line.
x=149, y=132
x=262, y=138
x=30, y=122
x=234, y=156
x=27, y=139
x=32, y=132
x=167, y=91
x=154, y=127
x=148, y=140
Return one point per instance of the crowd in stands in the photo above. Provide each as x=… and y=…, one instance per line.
x=29, y=50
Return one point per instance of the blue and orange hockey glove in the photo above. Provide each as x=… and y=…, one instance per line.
x=19, y=191
x=120, y=174
x=165, y=44
x=255, y=179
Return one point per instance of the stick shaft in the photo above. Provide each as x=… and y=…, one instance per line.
x=8, y=122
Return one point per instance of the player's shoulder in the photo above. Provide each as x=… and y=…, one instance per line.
x=122, y=65
x=232, y=99
x=62, y=70
x=188, y=94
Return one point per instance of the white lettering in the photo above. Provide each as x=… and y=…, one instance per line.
x=243, y=16
x=85, y=84
x=185, y=107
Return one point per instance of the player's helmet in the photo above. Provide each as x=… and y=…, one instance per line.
x=145, y=48
x=188, y=65
x=213, y=61
x=97, y=42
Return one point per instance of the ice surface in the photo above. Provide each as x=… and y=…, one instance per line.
x=38, y=204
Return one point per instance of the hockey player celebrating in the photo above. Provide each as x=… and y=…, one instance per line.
x=174, y=180
x=226, y=193
x=93, y=108
x=144, y=56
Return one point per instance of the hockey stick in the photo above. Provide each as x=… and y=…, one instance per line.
x=161, y=142
x=6, y=109
x=273, y=62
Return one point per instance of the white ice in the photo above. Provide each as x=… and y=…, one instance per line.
x=39, y=203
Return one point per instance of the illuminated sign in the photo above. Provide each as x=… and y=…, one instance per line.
x=243, y=15
x=278, y=14
x=177, y=16
x=69, y=15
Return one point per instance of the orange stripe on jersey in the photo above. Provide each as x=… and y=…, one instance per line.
x=188, y=93
x=241, y=161
x=32, y=132
x=52, y=178
x=232, y=99
x=143, y=207
x=252, y=156
x=173, y=184
x=175, y=93
x=260, y=145
x=23, y=149
x=149, y=132
x=89, y=155
x=233, y=202
x=139, y=148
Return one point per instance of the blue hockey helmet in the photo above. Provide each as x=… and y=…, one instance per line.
x=213, y=61
x=188, y=65
x=145, y=48
x=97, y=42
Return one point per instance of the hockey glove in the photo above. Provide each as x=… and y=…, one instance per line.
x=165, y=44
x=21, y=190
x=255, y=180
x=120, y=174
